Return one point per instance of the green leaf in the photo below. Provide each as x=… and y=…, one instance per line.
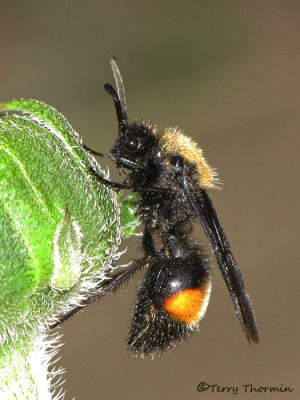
x=59, y=227
x=129, y=218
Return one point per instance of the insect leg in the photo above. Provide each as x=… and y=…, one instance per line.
x=119, y=160
x=106, y=287
x=117, y=185
x=95, y=153
x=107, y=182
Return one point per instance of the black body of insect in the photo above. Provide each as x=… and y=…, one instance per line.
x=171, y=176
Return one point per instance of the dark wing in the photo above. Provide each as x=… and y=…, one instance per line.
x=203, y=208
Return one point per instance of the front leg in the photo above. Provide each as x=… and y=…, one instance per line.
x=87, y=148
x=119, y=160
x=117, y=185
x=107, y=182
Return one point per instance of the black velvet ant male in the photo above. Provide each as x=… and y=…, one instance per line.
x=171, y=176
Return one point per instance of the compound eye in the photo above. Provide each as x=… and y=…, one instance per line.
x=131, y=143
x=177, y=161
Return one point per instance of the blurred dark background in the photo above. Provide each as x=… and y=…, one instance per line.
x=227, y=73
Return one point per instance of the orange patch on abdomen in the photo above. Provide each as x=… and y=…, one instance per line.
x=185, y=306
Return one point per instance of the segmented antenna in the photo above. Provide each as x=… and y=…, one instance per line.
x=110, y=90
x=120, y=86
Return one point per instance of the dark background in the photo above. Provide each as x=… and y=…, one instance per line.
x=227, y=73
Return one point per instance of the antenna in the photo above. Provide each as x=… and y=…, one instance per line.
x=120, y=86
